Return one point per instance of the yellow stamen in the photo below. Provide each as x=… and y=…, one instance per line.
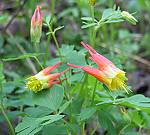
x=118, y=82
x=34, y=84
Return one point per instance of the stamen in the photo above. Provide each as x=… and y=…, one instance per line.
x=119, y=84
x=34, y=84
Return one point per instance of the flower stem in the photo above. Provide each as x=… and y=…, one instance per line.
x=83, y=128
x=52, y=7
x=93, y=32
x=92, y=133
x=47, y=50
x=58, y=49
x=93, y=95
x=56, y=42
x=49, y=36
x=11, y=129
x=81, y=92
x=38, y=62
x=12, y=132
x=36, y=47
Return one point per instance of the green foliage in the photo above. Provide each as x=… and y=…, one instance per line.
x=51, y=98
x=106, y=122
x=138, y=102
x=79, y=104
x=86, y=113
x=33, y=125
x=70, y=55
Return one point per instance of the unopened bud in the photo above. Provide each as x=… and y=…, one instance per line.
x=127, y=16
x=92, y=2
x=36, y=26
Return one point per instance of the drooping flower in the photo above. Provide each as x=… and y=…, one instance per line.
x=107, y=72
x=36, y=25
x=44, y=79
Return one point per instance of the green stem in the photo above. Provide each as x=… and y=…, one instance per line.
x=82, y=86
x=49, y=37
x=36, y=47
x=93, y=28
x=92, y=133
x=53, y=7
x=56, y=42
x=93, y=95
x=38, y=62
x=47, y=49
x=12, y=132
x=58, y=49
x=83, y=128
x=94, y=32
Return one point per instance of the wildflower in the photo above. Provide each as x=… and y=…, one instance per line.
x=106, y=73
x=127, y=16
x=44, y=79
x=92, y=2
x=36, y=25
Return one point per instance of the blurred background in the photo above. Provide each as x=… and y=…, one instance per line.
x=129, y=43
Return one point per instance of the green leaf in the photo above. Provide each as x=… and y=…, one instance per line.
x=114, y=21
x=88, y=25
x=138, y=101
x=86, y=113
x=37, y=112
x=30, y=126
x=64, y=106
x=136, y=117
x=72, y=56
x=51, y=98
x=54, y=129
x=106, y=122
x=89, y=19
x=52, y=119
x=48, y=19
x=111, y=14
x=27, y=55
x=146, y=120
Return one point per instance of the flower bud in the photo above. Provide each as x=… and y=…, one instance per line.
x=127, y=16
x=36, y=26
x=92, y=2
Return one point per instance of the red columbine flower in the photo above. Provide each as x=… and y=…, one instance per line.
x=36, y=25
x=107, y=72
x=44, y=79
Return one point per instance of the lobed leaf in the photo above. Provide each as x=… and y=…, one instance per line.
x=51, y=98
